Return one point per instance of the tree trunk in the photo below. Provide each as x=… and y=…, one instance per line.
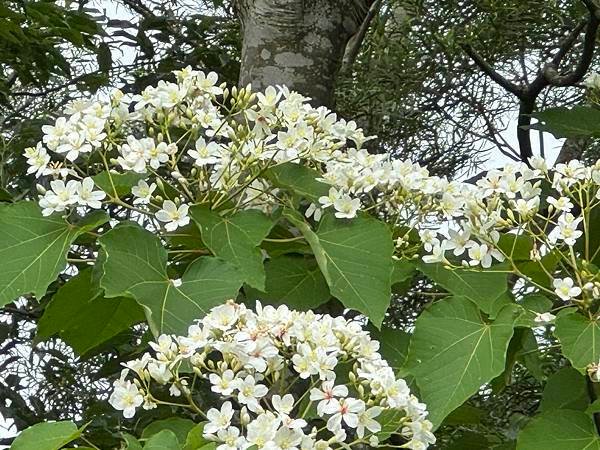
x=297, y=43
x=572, y=149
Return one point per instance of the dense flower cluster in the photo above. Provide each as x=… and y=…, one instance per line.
x=194, y=136
x=190, y=144
x=286, y=380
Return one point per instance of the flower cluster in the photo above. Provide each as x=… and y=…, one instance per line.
x=194, y=139
x=284, y=379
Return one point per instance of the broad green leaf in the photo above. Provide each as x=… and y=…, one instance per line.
x=178, y=425
x=454, y=351
x=299, y=179
x=394, y=345
x=136, y=265
x=488, y=290
x=195, y=439
x=390, y=422
x=593, y=408
x=131, y=442
x=559, y=430
x=83, y=317
x=46, y=436
x=236, y=239
x=580, y=338
x=566, y=389
x=33, y=248
x=403, y=270
x=576, y=122
x=463, y=415
x=118, y=184
x=537, y=271
x=470, y=440
x=355, y=257
x=163, y=440
x=295, y=281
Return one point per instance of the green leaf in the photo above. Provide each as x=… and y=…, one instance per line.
x=131, y=442
x=178, y=425
x=488, y=290
x=298, y=179
x=465, y=414
x=236, y=239
x=390, y=422
x=566, y=389
x=195, y=439
x=122, y=182
x=33, y=248
x=83, y=317
x=559, y=430
x=355, y=257
x=46, y=436
x=136, y=265
x=454, y=351
x=163, y=440
x=294, y=281
x=576, y=122
x=470, y=440
x=579, y=337
x=394, y=345
x=104, y=57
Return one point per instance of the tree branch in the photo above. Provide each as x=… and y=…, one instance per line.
x=491, y=72
x=356, y=41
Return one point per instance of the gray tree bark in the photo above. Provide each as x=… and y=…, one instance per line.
x=298, y=43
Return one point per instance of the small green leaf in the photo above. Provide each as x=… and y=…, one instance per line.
x=131, y=442
x=136, y=265
x=390, y=423
x=575, y=122
x=122, y=182
x=454, y=351
x=46, y=436
x=566, y=389
x=559, y=430
x=394, y=345
x=195, y=439
x=355, y=257
x=83, y=317
x=236, y=239
x=298, y=179
x=163, y=440
x=33, y=248
x=294, y=281
x=178, y=425
x=580, y=338
x=488, y=290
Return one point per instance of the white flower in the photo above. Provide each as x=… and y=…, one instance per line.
x=143, y=192
x=222, y=384
x=87, y=196
x=205, y=153
x=73, y=144
x=231, y=439
x=250, y=392
x=60, y=197
x=327, y=394
x=173, y=216
x=126, y=397
x=346, y=207
x=218, y=419
x=561, y=204
x=366, y=419
x=346, y=410
x=565, y=288
x=262, y=429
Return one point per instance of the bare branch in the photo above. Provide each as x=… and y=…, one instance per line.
x=356, y=41
x=491, y=72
